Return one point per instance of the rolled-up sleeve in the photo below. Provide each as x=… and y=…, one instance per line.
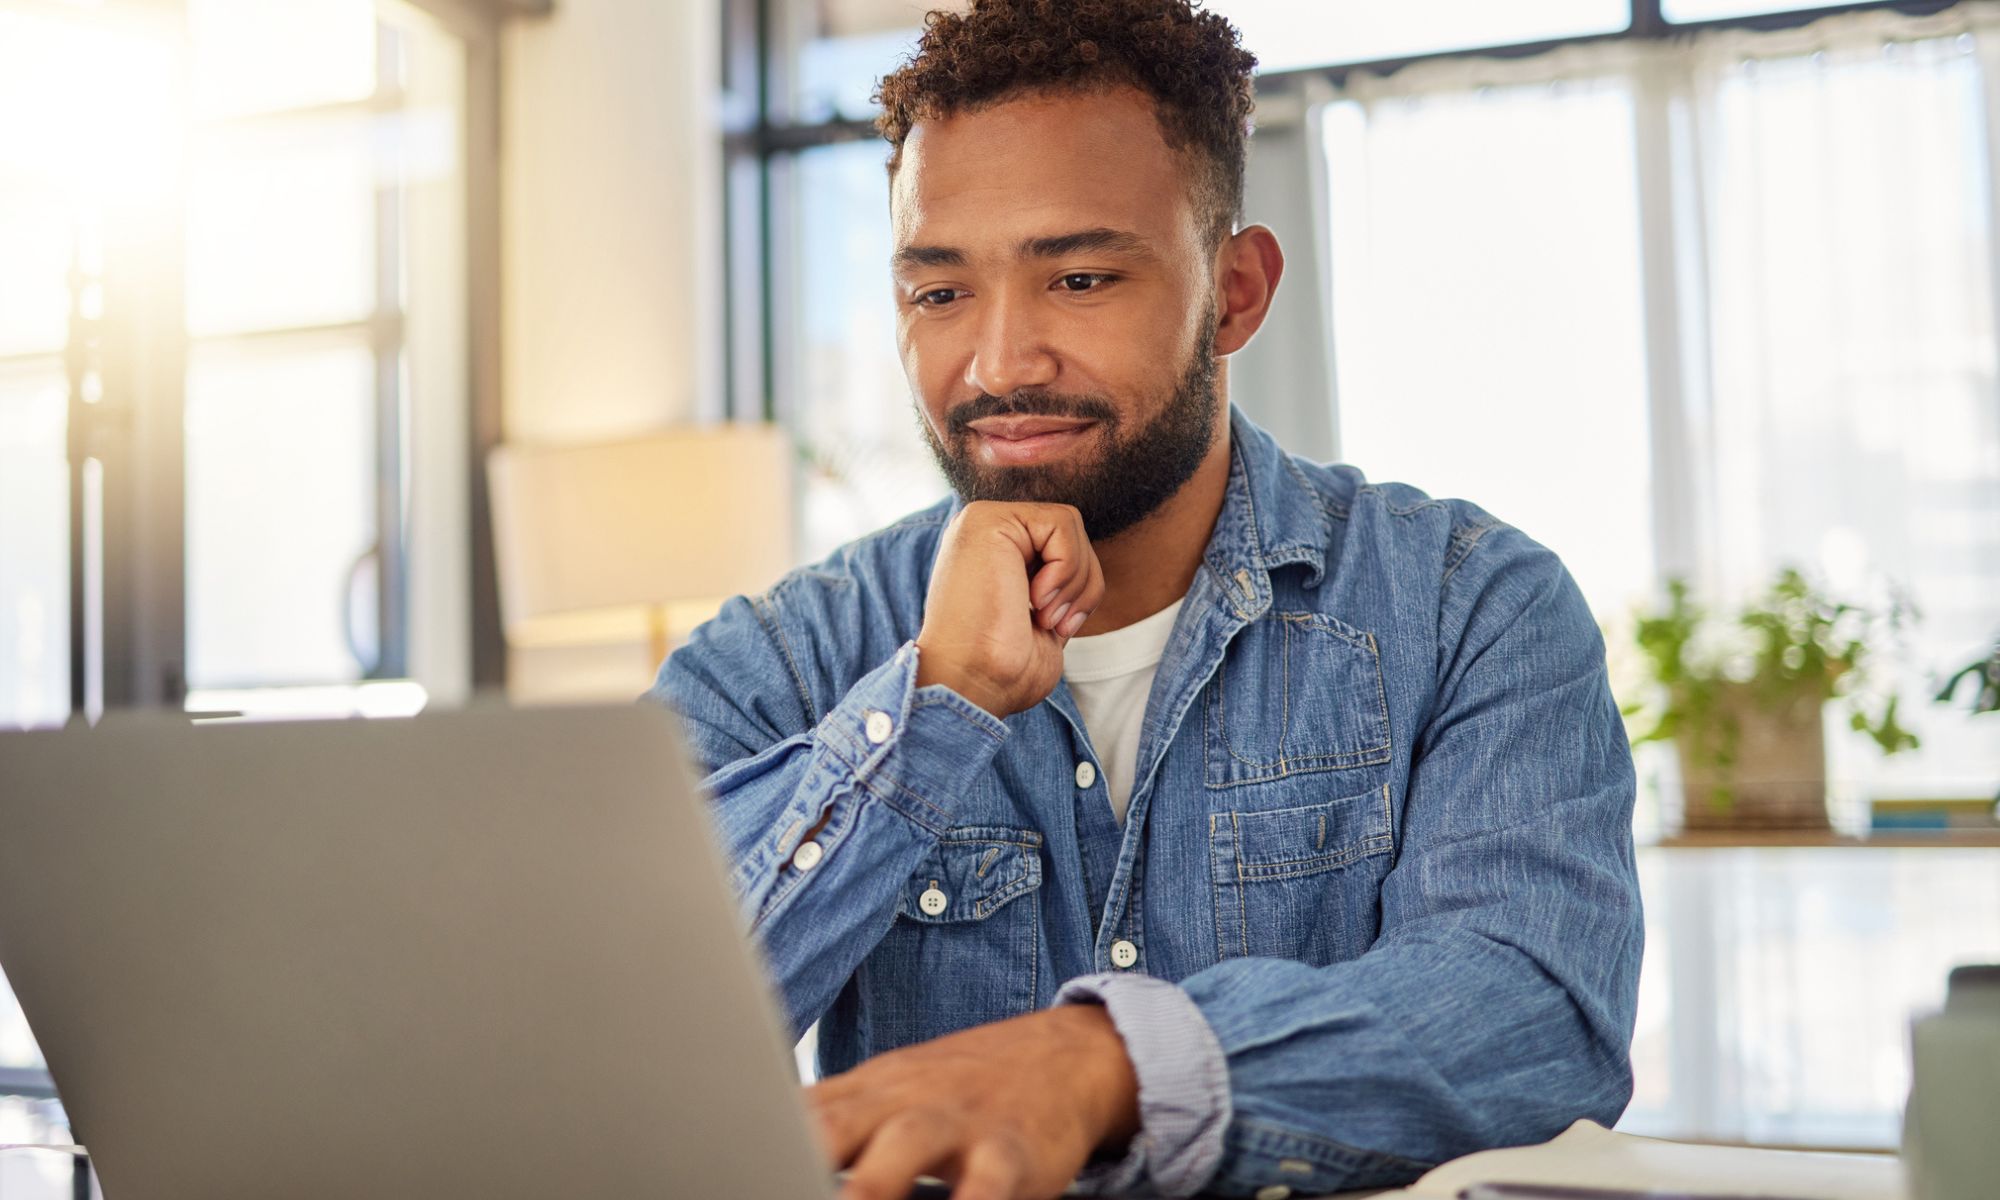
x=1183, y=1084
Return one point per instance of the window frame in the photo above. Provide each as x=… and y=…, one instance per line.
x=758, y=144
x=127, y=626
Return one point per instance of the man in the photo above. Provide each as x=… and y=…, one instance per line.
x=1162, y=807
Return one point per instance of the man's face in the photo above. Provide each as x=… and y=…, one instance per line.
x=1056, y=310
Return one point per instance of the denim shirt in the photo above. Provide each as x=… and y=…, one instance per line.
x=1374, y=904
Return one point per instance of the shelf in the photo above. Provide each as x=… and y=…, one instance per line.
x=1718, y=839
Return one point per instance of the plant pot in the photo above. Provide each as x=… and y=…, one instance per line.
x=1776, y=751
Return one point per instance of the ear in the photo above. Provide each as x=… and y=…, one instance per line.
x=1247, y=270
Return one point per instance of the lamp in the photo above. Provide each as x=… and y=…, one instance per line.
x=644, y=538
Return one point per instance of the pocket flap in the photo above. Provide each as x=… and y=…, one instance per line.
x=1315, y=837
x=973, y=871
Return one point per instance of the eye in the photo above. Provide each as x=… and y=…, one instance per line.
x=935, y=298
x=1084, y=281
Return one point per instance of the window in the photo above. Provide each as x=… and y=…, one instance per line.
x=1496, y=350
x=1856, y=407
x=232, y=240
x=864, y=461
x=1286, y=35
x=827, y=56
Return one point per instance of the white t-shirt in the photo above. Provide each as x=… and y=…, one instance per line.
x=1110, y=676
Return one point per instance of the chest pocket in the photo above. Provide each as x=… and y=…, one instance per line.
x=1297, y=692
x=1301, y=883
x=965, y=947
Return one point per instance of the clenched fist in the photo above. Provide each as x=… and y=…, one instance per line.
x=1012, y=584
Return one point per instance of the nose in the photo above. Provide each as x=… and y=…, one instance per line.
x=1011, y=350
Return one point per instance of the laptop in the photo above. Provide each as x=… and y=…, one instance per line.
x=479, y=954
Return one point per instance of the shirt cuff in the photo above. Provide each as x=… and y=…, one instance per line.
x=1184, y=1105
x=917, y=748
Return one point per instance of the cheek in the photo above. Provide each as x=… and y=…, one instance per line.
x=932, y=365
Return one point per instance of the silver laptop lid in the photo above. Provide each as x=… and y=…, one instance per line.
x=487, y=954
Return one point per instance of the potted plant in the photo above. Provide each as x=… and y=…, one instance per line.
x=1985, y=674
x=1742, y=697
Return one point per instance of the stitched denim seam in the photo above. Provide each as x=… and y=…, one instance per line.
x=932, y=824
x=951, y=705
x=1034, y=953
x=1330, y=625
x=869, y=779
x=1375, y=490
x=1332, y=1154
x=775, y=629
x=1375, y=844
x=1030, y=879
x=1242, y=904
x=1321, y=502
x=1215, y=891
x=1463, y=541
x=1285, y=680
x=1256, y=537
x=1284, y=763
x=945, y=839
x=1027, y=881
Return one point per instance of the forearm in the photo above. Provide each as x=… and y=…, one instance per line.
x=821, y=829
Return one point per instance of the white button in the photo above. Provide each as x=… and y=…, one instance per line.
x=932, y=902
x=1086, y=773
x=1123, y=953
x=879, y=726
x=1276, y=1191
x=806, y=857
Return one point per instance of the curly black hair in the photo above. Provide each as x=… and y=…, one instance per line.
x=1188, y=61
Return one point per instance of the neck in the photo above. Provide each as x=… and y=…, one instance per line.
x=1152, y=564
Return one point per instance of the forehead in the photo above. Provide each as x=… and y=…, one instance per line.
x=1042, y=163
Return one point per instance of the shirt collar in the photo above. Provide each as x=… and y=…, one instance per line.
x=1270, y=518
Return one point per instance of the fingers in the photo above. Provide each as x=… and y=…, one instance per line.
x=1061, y=590
x=1073, y=601
x=843, y=1125
x=994, y=1170
x=909, y=1144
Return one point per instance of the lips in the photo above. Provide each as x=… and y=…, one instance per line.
x=1015, y=440
x=1019, y=428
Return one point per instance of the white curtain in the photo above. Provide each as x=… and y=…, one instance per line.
x=1709, y=307
x=1853, y=420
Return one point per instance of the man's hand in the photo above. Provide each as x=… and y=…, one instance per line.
x=1012, y=584
x=1008, y=1111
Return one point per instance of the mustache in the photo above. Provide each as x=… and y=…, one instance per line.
x=1028, y=402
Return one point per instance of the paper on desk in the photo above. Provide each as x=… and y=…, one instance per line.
x=1589, y=1155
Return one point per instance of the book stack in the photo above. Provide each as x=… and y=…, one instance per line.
x=1928, y=816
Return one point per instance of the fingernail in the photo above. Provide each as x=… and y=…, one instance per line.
x=1046, y=597
x=1074, y=623
x=1056, y=617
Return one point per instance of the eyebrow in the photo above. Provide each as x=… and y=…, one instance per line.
x=1100, y=240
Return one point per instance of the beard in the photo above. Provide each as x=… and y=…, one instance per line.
x=1126, y=481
